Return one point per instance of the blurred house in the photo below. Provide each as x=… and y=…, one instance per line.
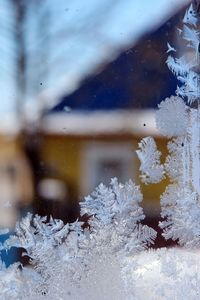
x=91, y=135
x=85, y=149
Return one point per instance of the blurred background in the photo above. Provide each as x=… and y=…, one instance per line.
x=79, y=83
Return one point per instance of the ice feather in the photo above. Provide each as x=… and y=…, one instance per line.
x=190, y=16
x=170, y=48
x=149, y=156
x=192, y=36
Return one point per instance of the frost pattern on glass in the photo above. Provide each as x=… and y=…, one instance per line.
x=117, y=216
x=67, y=259
x=165, y=274
x=149, y=156
x=180, y=203
x=104, y=258
x=186, y=68
x=171, y=117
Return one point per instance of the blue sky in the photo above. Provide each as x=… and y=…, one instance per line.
x=81, y=35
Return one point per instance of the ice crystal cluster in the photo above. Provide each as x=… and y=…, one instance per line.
x=107, y=257
x=178, y=118
x=75, y=261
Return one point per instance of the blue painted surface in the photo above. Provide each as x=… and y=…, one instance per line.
x=138, y=78
x=8, y=257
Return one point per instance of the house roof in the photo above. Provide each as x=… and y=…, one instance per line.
x=138, y=78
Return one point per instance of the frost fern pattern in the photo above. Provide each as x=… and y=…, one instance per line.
x=69, y=254
x=180, y=203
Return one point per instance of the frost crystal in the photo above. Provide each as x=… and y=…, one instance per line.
x=171, y=118
x=180, y=203
x=186, y=68
x=165, y=274
x=117, y=216
x=152, y=170
x=190, y=16
x=74, y=257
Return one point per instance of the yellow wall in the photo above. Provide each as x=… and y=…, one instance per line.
x=64, y=154
x=9, y=146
